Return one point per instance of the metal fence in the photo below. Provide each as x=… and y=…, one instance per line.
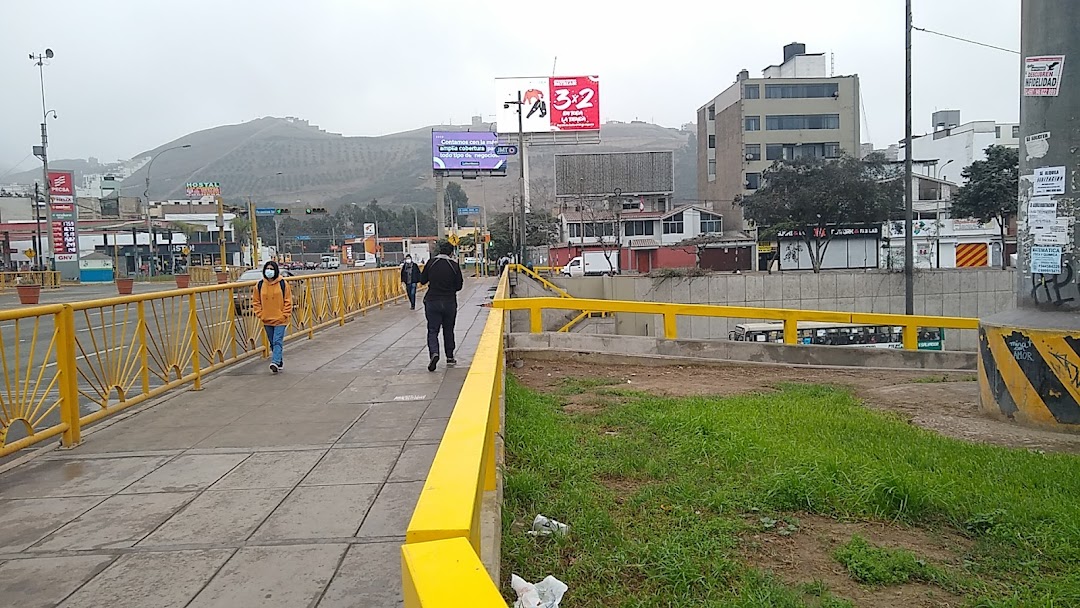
x=66, y=365
x=44, y=278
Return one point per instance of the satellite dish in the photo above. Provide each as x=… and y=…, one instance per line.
x=48, y=54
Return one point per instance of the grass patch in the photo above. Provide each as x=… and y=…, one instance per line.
x=657, y=510
x=880, y=566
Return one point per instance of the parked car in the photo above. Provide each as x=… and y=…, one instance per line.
x=311, y=265
x=242, y=295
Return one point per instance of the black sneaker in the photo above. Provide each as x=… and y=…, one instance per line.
x=451, y=362
x=434, y=362
x=274, y=368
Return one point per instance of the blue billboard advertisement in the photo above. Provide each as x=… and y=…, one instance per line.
x=465, y=150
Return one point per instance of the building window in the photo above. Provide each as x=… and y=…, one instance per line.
x=751, y=91
x=711, y=224
x=774, y=151
x=800, y=122
x=574, y=230
x=674, y=224
x=753, y=123
x=1016, y=131
x=832, y=150
x=639, y=228
x=793, y=151
x=712, y=112
x=712, y=168
x=802, y=91
x=753, y=151
x=712, y=141
x=753, y=181
x=997, y=132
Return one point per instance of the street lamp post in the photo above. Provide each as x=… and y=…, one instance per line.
x=146, y=208
x=520, y=103
x=43, y=154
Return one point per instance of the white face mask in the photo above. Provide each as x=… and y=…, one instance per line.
x=408, y=260
x=269, y=273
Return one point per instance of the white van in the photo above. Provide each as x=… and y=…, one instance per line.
x=331, y=262
x=592, y=264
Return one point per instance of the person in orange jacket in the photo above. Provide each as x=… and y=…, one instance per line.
x=272, y=303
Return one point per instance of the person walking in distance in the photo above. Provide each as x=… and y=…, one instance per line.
x=272, y=303
x=443, y=277
x=410, y=276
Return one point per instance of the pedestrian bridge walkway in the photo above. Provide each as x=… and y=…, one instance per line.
x=259, y=490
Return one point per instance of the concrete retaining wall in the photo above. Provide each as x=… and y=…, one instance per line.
x=952, y=292
x=558, y=346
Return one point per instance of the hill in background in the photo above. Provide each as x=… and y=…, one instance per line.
x=285, y=160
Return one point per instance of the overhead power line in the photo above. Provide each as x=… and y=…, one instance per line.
x=989, y=46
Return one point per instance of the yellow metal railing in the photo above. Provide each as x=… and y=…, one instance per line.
x=45, y=278
x=63, y=366
x=670, y=312
x=206, y=275
x=440, y=560
x=534, y=273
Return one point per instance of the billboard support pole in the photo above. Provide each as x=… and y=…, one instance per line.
x=440, y=205
x=521, y=186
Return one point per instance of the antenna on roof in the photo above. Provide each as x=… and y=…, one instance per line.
x=553, y=64
x=832, y=64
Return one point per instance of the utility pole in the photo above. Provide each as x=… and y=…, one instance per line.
x=221, y=233
x=523, y=260
x=1027, y=364
x=254, y=234
x=440, y=205
x=37, y=221
x=909, y=214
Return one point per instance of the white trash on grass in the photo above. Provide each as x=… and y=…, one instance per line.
x=545, y=526
x=545, y=594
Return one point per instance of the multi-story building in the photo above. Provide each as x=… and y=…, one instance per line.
x=952, y=146
x=794, y=110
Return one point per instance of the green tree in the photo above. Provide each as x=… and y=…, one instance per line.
x=541, y=229
x=817, y=196
x=456, y=196
x=991, y=191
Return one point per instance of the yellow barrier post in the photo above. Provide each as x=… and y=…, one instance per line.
x=536, y=319
x=791, y=330
x=671, y=326
x=310, y=308
x=341, y=297
x=381, y=292
x=193, y=325
x=911, y=337
x=144, y=354
x=69, y=382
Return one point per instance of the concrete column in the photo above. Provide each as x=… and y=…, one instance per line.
x=1029, y=364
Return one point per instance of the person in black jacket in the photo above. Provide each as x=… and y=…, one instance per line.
x=410, y=276
x=443, y=277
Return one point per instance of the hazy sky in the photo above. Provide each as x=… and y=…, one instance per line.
x=130, y=75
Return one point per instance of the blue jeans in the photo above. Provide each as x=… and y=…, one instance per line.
x=275, y=334
x=410, y=288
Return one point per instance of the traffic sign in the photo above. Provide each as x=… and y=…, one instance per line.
x=265, y=211
x=506, y=150
x=454, y=240
x=468, y=211
x=348, y=236
x=30, y=253
x=302, y=238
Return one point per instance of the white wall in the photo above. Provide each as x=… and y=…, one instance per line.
x=965, y=145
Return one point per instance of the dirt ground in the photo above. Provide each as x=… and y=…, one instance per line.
x=945, y=403
x=806, y=556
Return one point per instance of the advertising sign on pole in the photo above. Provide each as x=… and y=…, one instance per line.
x=1042, y=75
x=65, y=235
x=559, y=103
x=465, y=150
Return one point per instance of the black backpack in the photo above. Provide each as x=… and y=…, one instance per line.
x=282, y=283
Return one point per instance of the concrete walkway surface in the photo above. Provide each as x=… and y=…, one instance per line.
x=259, y=491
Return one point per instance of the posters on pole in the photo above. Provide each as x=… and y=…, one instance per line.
x=1056, y=233
x=1037, y=145
x=1042, y=75
x=456, y=150
x=1045, y=260
x=1049, y=181
x=559, y=103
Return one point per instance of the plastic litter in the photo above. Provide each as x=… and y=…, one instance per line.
x=545, y=594
x=545, y=526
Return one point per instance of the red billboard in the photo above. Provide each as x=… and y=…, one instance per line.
x=61, y=183
x=575, y=103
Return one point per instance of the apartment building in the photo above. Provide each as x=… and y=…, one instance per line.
x=952, y=147
x=794, y=110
